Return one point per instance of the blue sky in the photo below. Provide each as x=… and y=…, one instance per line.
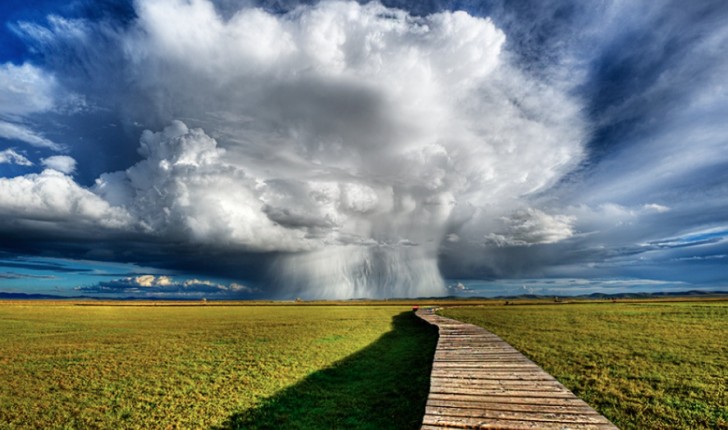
x=250, y=149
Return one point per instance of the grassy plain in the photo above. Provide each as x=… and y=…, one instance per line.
x=136, y=367
x=642, y=365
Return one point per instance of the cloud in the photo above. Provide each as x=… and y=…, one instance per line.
x=25, y=90
x=529, y=226
x=10, y=156
x=165, y=286
x=184, y=189
x=459, y=289
x=11, y=275
x=51, y=200
x=13, y=131
x=40, y=266
x=60, y=163
x=350, y=139
x=364, y=150
x=711, y=236
x=654, y=169
x=656, y=207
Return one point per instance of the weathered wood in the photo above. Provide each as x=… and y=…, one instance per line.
x=492, y=405
x=521, y=364
x=524, y=385
x=515, y=400
x=450, y=385
x=525, y=415
x=501, y=393
x=494, y=374
x=503, y=424
x=478, y=381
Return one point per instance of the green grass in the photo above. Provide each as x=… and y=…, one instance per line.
x=644, y=366
x=115, y=367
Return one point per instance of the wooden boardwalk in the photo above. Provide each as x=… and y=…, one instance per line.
x=479, y=381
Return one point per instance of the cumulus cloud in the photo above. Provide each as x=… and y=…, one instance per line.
x=531, y=226
x=459, y=288
x=60, y=163
x=168, y=287
x=10, y=156
x=351, y=139
x=54, y=200
x=184, y=189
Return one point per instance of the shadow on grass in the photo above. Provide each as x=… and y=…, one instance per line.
x=383, y=386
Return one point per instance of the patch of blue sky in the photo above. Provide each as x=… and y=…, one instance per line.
x=44, y=275
x=68, y=277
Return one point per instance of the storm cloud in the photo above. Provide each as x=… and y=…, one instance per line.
x=339, y=149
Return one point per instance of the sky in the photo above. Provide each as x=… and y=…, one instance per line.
x=278, y=149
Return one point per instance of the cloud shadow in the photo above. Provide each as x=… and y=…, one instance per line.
x=383, y=386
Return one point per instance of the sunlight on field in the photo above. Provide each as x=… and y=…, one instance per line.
x=648, y=365
x=66, y=366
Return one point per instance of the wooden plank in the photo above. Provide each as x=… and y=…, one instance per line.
x=481, y=359
x=549, y=417
x=428, y=427
x=561, y=394
x=463, y=348
x=492, y=423
x=482, y=365
x=501, y=374
x=475, y=353
x=533, y=407
x=445, y=385
x=478, y=381
x=500, y=400
x=499, y=383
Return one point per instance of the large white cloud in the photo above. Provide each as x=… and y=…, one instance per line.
x=51, y=201
x=185, y=190
x=351, y=137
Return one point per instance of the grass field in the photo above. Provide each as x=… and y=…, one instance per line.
x=642, y=365
x=119, y=367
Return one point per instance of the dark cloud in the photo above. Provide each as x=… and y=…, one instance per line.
x=11, y=275
x=334, y=156
x=50, y=267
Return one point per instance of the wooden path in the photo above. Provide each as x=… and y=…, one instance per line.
x=479, y=381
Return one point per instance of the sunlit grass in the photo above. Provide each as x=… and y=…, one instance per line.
x=199, y=367
x=644, y=366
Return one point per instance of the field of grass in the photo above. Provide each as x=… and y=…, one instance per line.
x=642, y=365
x=223, y=367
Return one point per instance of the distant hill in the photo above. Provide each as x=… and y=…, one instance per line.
x=24, y=296
x=643, y=295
